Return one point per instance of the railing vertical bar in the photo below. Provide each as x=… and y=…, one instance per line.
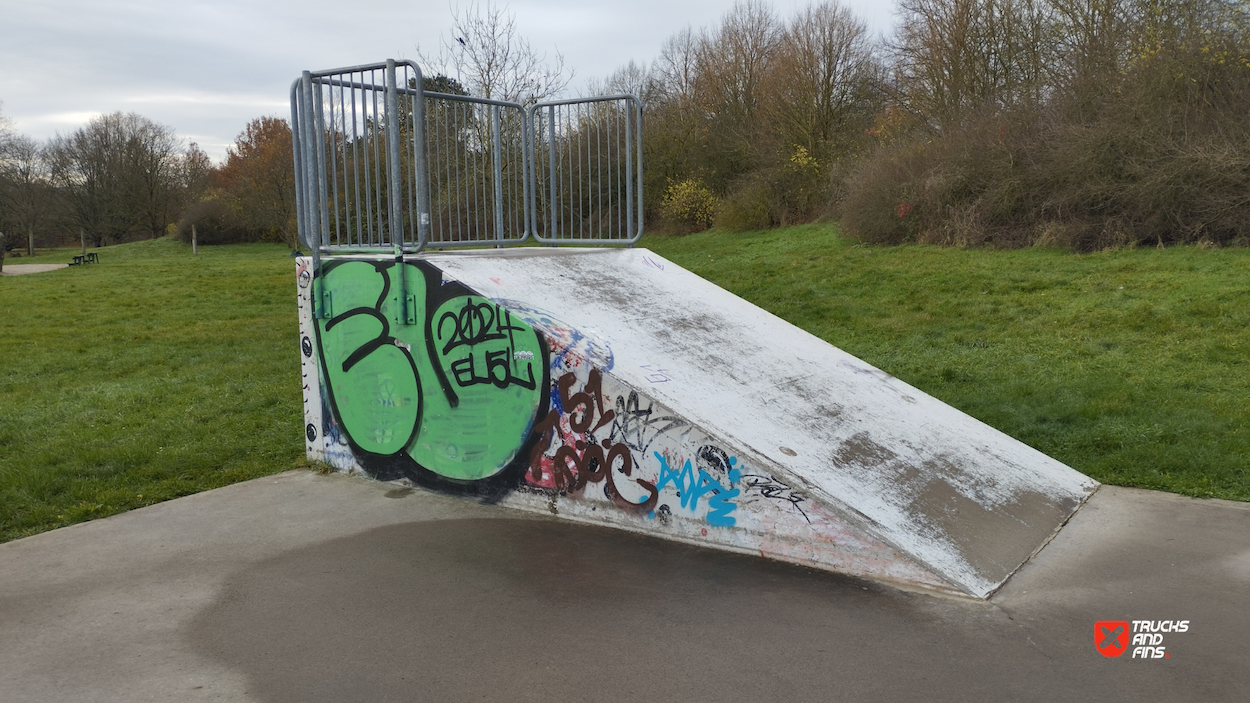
x=497, y=149
x=301, y=221
x=357, y=235
x=458, y=190
x=616, y=182
x=629, y=178
x=334, y=163
x=553, y=214
x=599, y=173
x=572, y=173
x=475, y=177
x=421, y=165
x=366, y=165
x=637, y=111
x=443, y=228
x=319, y=125
x=375, y=166
x=486, y=220
x=395, y=189
x=395, y=186
x=609, y=123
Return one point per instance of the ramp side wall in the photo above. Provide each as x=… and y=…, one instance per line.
x=598, y=450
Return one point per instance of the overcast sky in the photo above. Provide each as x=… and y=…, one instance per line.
x=206, y=68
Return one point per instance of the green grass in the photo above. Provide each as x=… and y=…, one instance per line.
x=148, y=376
x=1129, y=365
x=154, y=375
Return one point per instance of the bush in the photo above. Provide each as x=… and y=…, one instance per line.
x=688, y=205
x=747, y=207
x=790, y=192
x=214, y=223
x=1162, y=157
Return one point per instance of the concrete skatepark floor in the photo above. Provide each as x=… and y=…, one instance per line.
x=302, y=587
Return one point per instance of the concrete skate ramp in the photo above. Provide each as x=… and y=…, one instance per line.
x=719, y=423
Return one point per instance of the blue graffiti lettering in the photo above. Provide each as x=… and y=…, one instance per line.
x=691, y=488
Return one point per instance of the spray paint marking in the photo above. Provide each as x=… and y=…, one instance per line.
x=692, y=487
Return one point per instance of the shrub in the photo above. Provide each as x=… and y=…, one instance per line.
x=1158, y=156
x=688, y=205
x=214, y=223
x=747, y=207
x=789, y=192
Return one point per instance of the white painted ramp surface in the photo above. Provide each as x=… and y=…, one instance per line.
x=914, y=479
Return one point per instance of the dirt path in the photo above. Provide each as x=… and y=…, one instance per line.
x=19, y=269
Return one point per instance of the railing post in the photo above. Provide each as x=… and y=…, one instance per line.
x=301, y=220
x=638, y=146
x=629, y=174
x=528, y=170
x=497, y=155
x=311, y=177
x=319, y=148
x=395, y=189
x=419, y=162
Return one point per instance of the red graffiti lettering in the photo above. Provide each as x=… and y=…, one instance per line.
x=577, y=460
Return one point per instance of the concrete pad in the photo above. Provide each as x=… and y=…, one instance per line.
x=302, y=587
x=22, y=269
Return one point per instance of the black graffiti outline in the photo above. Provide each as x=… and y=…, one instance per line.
x=472, y=327
x=771, y=488
x=466, y=333
x=494, y=360
x=364, y=350
x=388, y=467
x=632, y=423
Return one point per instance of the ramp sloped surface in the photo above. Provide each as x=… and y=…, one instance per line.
x=718, y=422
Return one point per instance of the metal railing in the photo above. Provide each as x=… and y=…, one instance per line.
x=478, y=164
x=587, y=156
x=381, y=165
x=360, y=178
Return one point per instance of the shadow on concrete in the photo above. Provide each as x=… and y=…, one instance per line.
x=524, y=610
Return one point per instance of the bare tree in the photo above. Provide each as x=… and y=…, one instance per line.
x=733, y=65
x=677, y=65
x=29, y=193
x=118, y=176
x=488, y=57
x=633, y=78
x=826, y=70
x=6, y=129
x=954, y=57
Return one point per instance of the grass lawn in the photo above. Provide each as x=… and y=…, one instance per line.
x=153, y=375
x=1130, y=366
x=148, y=376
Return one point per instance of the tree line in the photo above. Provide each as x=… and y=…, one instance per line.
x=1078, y=123
x=123, y=177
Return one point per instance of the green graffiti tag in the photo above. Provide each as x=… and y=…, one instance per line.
x=456, y=393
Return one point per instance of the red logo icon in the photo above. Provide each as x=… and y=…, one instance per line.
x=1111, y=637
